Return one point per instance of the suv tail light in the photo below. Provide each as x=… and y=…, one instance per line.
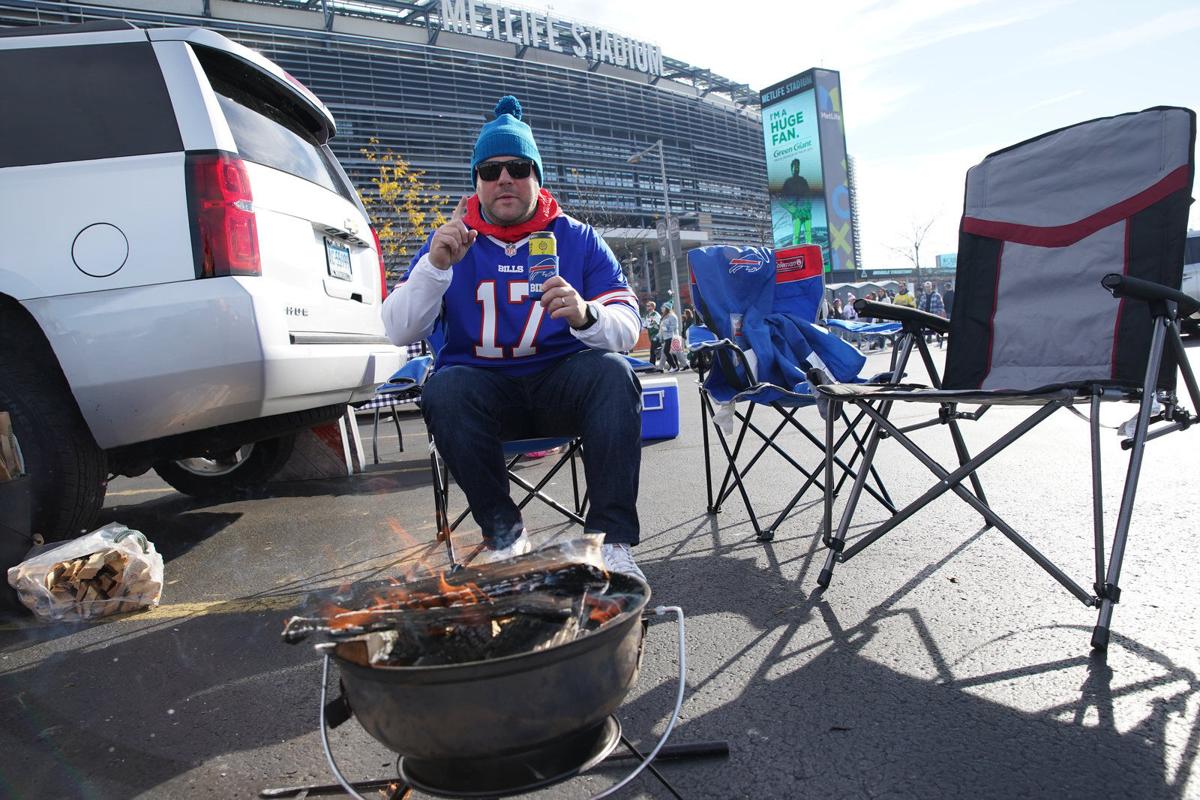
x=225, y=234
x=382, y=267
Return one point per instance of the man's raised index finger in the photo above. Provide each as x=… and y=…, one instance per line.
x=460, y=210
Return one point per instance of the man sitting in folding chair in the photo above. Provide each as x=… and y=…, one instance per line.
x=517, y=360
x=1051, y=227
x=763, y=312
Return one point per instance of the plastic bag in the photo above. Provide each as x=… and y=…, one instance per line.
x=111, y=570
x=676, y=344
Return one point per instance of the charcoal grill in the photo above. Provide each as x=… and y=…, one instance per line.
x=507, y=726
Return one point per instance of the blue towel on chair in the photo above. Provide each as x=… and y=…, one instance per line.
x=743, y=295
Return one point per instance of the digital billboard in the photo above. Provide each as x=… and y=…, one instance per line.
x=806, y=166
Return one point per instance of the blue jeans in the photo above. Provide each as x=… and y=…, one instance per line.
x=470, y=411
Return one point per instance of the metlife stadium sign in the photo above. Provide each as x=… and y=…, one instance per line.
x=542, y=30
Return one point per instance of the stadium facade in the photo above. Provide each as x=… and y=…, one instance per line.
x=421, y=76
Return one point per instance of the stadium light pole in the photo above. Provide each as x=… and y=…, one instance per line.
x=676, y=299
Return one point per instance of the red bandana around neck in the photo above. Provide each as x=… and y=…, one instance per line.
x=547, y=210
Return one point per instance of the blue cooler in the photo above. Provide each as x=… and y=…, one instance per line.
x=660, y=408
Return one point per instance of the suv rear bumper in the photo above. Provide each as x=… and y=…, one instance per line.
x=156, y=361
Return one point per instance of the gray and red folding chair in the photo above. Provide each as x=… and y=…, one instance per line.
x=1053, y=230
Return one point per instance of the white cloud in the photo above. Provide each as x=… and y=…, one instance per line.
x=1139, y=34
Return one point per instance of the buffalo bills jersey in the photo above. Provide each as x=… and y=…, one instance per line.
x=487, y=317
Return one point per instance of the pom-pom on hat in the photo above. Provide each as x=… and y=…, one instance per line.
x=506, y=135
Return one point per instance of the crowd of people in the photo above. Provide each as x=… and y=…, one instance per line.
x=668, y=335
x=928, y=299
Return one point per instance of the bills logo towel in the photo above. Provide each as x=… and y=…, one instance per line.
x=747, y=264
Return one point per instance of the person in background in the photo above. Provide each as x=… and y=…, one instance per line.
x=512, y=367
x=931, y=302
x=835, y=310
x=903, y=298
x=689, y=318
x=651, y=322
x=669, y=332
x=948, y=298
x=849, y=311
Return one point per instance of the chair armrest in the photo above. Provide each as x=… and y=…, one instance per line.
x=1149, y=291
x=739, y=355
x=414, y=373
x=903, y=314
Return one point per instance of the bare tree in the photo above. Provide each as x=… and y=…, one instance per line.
x=911, y=249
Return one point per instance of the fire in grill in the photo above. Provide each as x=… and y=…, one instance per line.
x=518, y=606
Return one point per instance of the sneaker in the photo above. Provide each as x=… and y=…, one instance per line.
x=619, y=558
x=519, y=547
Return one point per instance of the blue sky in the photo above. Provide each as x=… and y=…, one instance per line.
x=932, y=87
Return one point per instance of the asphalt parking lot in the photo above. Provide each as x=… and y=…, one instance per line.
x=940, y=663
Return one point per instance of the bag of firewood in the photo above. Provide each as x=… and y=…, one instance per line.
x=111, y=570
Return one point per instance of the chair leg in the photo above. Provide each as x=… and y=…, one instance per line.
x=399, y=433
x=706, y=413
x=826, y=574
x=732, y=472
x=575, y=479
x=533, y=491
x=836, y=540
x=1110, y=592
x=375, y=436
x=441, y=498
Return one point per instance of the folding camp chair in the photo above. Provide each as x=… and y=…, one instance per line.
x=1048, y=226
x=515, y=452
x=403, y=388
x=761, y=313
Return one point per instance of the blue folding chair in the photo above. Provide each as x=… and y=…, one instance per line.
x=761, y=315
x=403, y=388
x=858, y=331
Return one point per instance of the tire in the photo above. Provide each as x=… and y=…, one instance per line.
x=68, y=470
x=245, y=469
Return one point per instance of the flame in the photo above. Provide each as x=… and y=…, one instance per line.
x=602, y=609
x=340, y=618
x=396, y=596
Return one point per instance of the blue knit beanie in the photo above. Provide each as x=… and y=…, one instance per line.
x=506, y=135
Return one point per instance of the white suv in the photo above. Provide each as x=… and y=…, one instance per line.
x=187, y=276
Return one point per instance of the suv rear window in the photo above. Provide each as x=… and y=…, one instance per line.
x=268, y=125
x=79, y=103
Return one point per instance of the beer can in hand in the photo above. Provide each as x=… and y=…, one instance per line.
x=543, y=261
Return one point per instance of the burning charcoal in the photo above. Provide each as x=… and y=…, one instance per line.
x=528, y=634
x=526, y=604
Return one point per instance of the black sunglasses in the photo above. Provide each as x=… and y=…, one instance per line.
x=517, y=169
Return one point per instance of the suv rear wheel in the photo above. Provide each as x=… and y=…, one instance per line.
x=67, y=469
x=248, y=467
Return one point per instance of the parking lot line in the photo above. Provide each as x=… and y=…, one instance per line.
x=175, y=611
